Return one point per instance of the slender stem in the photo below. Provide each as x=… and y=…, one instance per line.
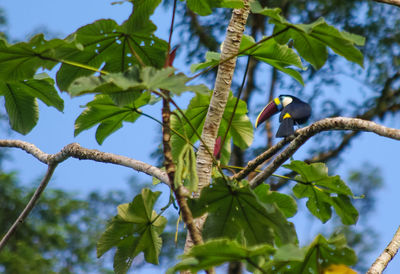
x=31, y=204
x=184, y=138
x=171, y=29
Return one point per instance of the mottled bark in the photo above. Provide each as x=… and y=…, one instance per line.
x=219, y=99
x=387, y=255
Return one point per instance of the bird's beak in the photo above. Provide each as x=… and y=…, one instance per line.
x=273, y=107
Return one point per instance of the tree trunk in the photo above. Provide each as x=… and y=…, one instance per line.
x=218, y=101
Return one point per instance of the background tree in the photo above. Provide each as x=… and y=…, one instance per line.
x=123, y=87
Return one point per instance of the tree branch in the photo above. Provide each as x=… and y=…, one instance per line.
x=29, y=206
x=74, y=150
x=390, y=2
x=302, y=135
x=387, y=255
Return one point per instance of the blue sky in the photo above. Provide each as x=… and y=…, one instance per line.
x=55, y=129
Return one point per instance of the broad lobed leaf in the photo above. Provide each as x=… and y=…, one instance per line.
x=105, y=112
x=311, y=40
x=217, y=252
x=135, y=229
x=323, y=192
x=236, y=213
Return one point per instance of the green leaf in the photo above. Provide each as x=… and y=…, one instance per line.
x=124, y=86
x=204, y=7
x=318, y=201
x=135, y=229
x=212, y=59
x=285, y=202
x=318, y=255
x=234, y=211
x=186, y=173
x=241, y=129
x=139, y=19
x=20, y=101
x=323, y=192
x=217, y=252
x=279, y=56
x=21, y=60
x=103, y=111
x=312, y=40
x=22, y=108
x=111, y=47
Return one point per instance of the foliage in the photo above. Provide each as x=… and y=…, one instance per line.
x=135, y=229
x=236, y=213
x=320, y=254
x=323, y=192
x=123, y=67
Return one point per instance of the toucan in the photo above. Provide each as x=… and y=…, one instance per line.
x=293, y=111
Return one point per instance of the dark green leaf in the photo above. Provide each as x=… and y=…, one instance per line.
x=103, y=110
x=217, y=252
x=235, y=211
x=279, y=56
x=204, y=7
x=317, y=256
x=323, y=192
x=135, y=229
x=139, y=19
x=319, y=202
x=22, y=108
x=110, y=46
x=285, y=202
x=21, y=61
x=311, y=40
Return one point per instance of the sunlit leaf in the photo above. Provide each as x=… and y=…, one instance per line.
x=186, y=173
x=125, y=86
x=217, y=252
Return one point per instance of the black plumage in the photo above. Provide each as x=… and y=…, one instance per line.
x=293, y=111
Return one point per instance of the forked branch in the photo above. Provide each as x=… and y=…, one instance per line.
x=302, y=135
x=74, y=150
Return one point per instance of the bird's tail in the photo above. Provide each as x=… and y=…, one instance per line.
x=286, y=127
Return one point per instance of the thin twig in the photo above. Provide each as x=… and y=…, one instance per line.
x=387, y=255
x=28, y=208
